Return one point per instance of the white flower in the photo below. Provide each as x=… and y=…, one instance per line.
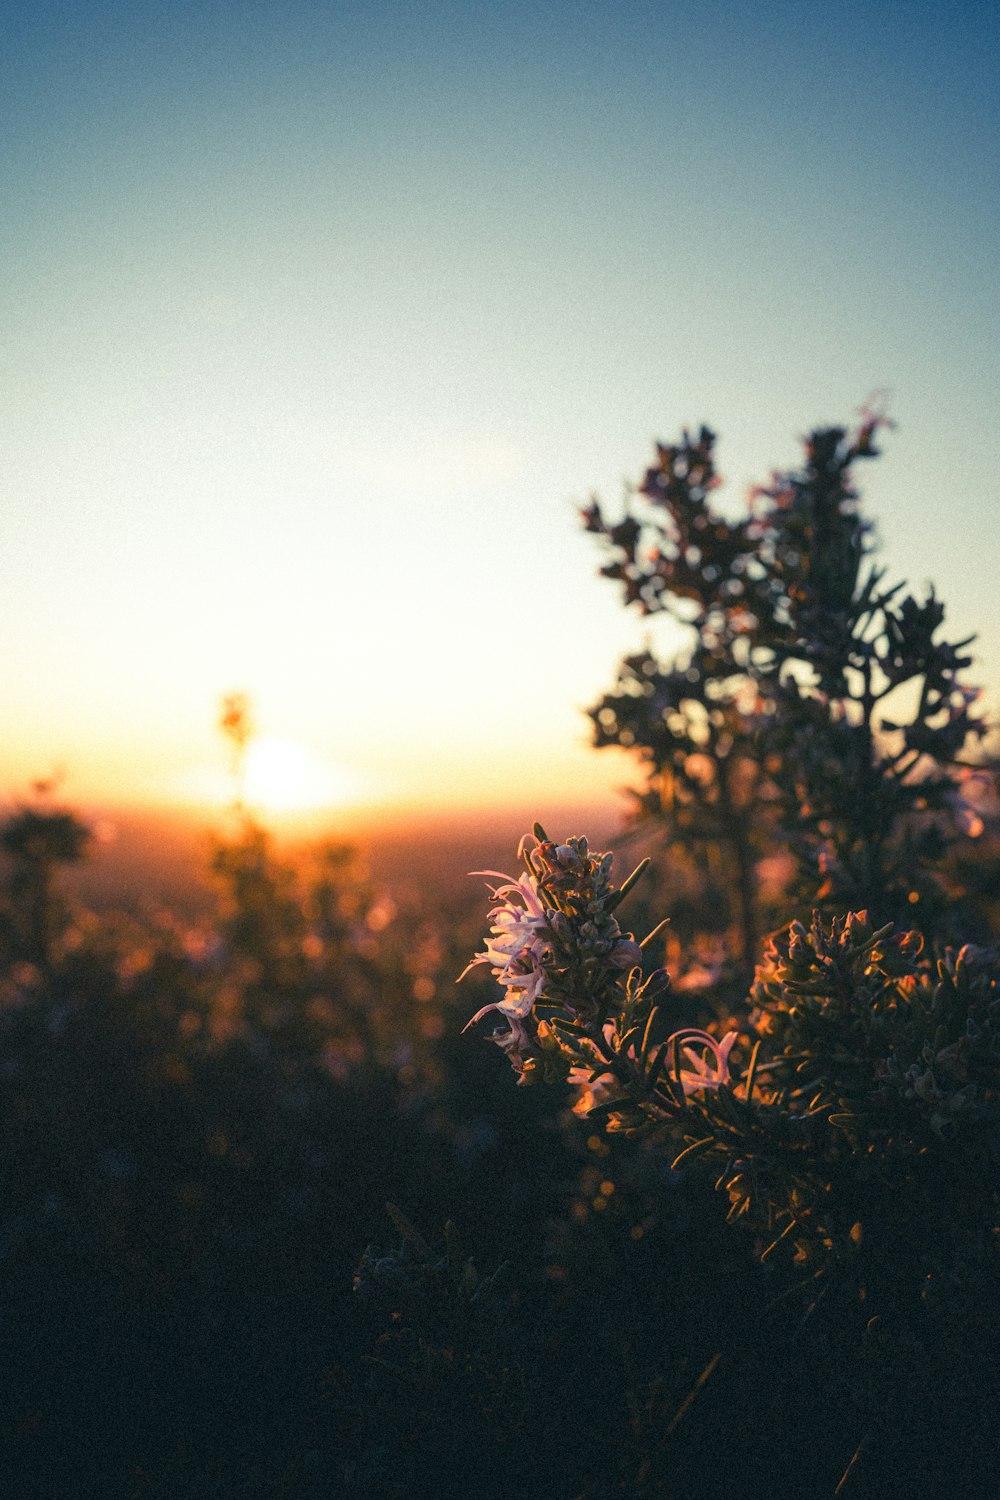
x=707, y=1060
x=514, y=927
x=519, y=944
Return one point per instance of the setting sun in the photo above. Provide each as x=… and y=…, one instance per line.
x=282, y=776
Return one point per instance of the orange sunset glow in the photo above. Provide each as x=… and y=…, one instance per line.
x=314, y=406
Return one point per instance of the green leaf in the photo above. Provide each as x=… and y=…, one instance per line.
x=619, y=895
x=659, y=1058
x=655, y=932
x=607, y=1107
x=751, y=1077
x=563, y=1023
x=775, y=1243
x=647, y=1034
x=695, y=1149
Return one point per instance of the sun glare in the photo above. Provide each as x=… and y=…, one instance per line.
x=280, y=778
x=284, y=777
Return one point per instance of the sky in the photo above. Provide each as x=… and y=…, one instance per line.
x=319, y=323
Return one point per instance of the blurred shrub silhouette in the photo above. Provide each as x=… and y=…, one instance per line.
x=201, y=1124
x=37, y=840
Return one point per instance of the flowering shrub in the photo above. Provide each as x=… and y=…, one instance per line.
x=846, y=1101
x=868, y=1074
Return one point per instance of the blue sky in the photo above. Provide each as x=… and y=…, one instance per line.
x=318, y=320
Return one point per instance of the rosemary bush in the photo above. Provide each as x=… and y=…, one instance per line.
x=838, y=1087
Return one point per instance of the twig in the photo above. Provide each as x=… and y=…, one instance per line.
x=841, y=1487
x=685, y=1405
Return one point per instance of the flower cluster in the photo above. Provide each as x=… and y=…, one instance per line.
x=518, y=947
x=554, y=940
x=576, y=1005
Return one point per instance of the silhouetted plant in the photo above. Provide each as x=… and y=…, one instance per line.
x=237, y=727
x=38, y=839
x=817, y=710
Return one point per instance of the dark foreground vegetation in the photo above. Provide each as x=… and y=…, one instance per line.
x=759, y=1256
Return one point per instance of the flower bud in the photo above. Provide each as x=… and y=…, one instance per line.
x=626, y=953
